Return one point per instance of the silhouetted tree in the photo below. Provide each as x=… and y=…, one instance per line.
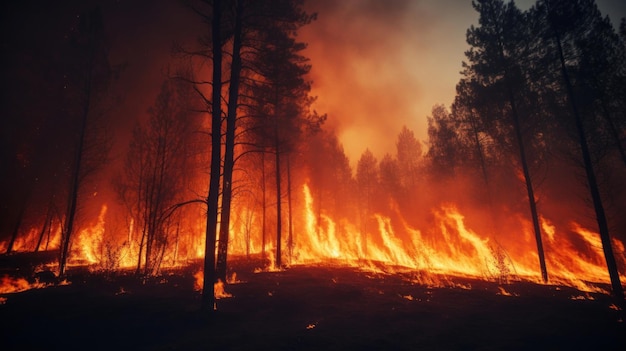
x=470, y=126
x=367, y=182
x=409, y=155
x=229, y=143
x=575, y=30
x=444, y=148
x=390, y=177
x=499, y=46
x=281, y=95
x=155, y=169
x=87, y=81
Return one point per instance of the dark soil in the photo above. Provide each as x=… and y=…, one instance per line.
x=306, y=308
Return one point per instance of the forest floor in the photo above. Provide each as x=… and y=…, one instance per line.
x=320, y=307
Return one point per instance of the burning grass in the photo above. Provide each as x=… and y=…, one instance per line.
x=323, y=306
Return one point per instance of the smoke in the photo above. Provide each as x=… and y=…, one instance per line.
x=379, y=65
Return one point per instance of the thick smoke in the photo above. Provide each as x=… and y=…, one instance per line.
x=373, y=66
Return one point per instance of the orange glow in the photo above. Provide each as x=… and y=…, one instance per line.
x=446, y=248
x=220, y=292
x=450, y=249
x=10, y=285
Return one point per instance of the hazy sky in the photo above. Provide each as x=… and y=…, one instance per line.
x=379, y=65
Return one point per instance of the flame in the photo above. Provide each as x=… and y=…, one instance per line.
x=219, y=291
x=10, y=285
x=504, y=292
x=448, y=245
x=451, y=248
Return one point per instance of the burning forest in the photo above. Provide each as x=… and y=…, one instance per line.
x=179, y=174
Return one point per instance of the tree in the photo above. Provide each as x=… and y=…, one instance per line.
x=389, y=171
x=567, y=25
x=256, y=30
x=155, y=168
x=470, y=126
x=229, y=147
x=499, y=48
x=409, y=154
x=367, y=182
x=88, y=81
x=444, y=151
x=208, y=289
x=281, y=95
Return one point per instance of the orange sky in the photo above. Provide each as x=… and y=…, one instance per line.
x=379, y=65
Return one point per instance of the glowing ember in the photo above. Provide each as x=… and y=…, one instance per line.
x=503, y=292
x=408, y=297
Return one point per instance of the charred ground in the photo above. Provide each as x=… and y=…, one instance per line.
x=305, y=307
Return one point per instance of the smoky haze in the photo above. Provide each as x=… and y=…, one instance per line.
x=373, y=64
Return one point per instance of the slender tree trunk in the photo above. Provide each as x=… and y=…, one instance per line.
x=605, y=238
x=66, y=236
x=290, y=218
x=49, y=234
x=75, y=182
x=141, y=245
x=44, y=229
x=16, y=229
x=229, y=150
x=529, y=186
x=279, y=228
x=320, y=199
x=208, y=289
x=527, y=178
x=176, y=242
x=264, y=207
x=249, y=217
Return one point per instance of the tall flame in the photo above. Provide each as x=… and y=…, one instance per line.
x=446, y=247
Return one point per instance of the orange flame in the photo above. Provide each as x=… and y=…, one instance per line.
x=10, y=285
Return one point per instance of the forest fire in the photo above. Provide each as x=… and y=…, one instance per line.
x=169, y=164
x=449, y=249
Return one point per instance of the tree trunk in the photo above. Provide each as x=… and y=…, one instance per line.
x=527, y=178
x=46, y=224
x=139, y=255
x=74, y=183
x=264, y=205
x=529, y=187
x=605, y=238
x=229, y=150
x=208, y=289
x=290, y=218
x=16, y=229
x=279, y=228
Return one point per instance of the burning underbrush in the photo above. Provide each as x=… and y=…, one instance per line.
x=436, y=248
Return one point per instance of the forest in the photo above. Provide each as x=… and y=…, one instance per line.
x=229, y=191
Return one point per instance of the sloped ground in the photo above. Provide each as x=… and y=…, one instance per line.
x=306, y=308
